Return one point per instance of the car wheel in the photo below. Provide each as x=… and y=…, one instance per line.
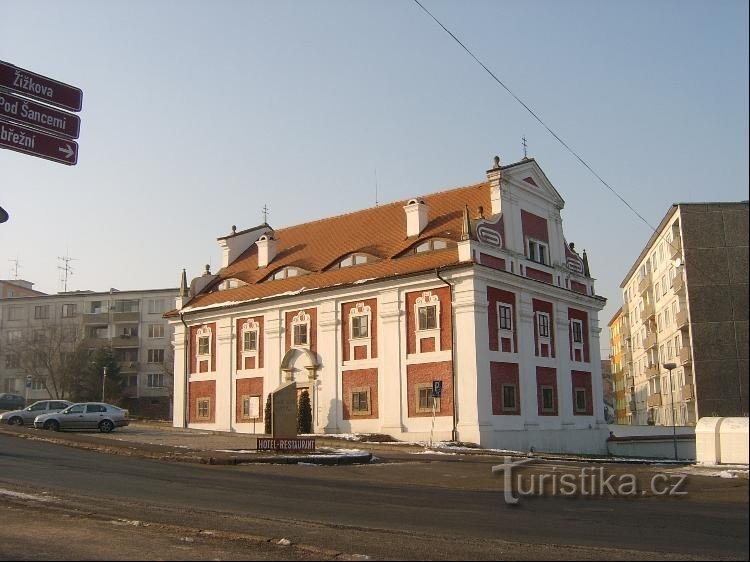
x=15, y=420
x=106, y=426
x=52, y=425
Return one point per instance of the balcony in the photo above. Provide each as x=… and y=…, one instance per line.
x=654, y=400
x=649, y=311
x=96, y=318
x=629, y=382
x=675, y=248
x=685, y=356
x=644, y=283
x=652, y=371
x=678, y=283
x=630, y=407
x=687, y=392
x=650, y=341
x=681, y=320
x=125, y=341
x=126, y=316
x=128, y=366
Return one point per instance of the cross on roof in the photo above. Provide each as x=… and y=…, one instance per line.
x=265, y=213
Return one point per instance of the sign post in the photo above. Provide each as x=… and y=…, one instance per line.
x=28, y=386
x=437, y=391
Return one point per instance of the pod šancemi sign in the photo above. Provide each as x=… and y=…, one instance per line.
x=36, y=128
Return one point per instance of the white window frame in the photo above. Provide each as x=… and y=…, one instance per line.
x=425, y=387
x=537, y=251
x=245, y=407
x=427, y=299
x=538, y=315
x=301, y=319
x=248, y=327
x=153, y=354
x=360, y=412
x=69, y=310
x=550, y=388
x=360, y=310
x=203, y=332
x=576, y=345
x=516, y=398
x=198, y=416
x=505, y=332
x=153, y=378
x=16, y=313
x=576, y=409
x=156, y=331
x=41, y=312
x=156, y=306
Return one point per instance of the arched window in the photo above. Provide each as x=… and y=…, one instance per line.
x=433, y=244
x=357, y=258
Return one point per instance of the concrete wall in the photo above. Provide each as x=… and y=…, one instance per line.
x=722, y=441
x=657, y=447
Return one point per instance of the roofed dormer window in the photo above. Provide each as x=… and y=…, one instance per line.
x=357, y=259
x=433, y=244
x=232, y=283
x=289, y=271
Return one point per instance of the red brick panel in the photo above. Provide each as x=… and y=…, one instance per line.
x=201, y=389
x=544, y=306
x=582, y=379
x=543, y=276
x=360, y=378
x=578, y=287
x=534, y=226
x=250, y=361
x=193, y=346
x=313, y=314
x=345, y=328
x=495, y=296
x=492, y=261
x=500, y=374
x=425, y=373
x=546, y=376
x=252, y=387
x=583, y=317
x=444, y=294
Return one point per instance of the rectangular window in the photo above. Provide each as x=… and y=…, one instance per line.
x=510, y=403
x=15, y=313
x=538, y=252
x=41, y=312
x=156, y=330
x=505, y=314
x=425, y=400
x=250, y=340
x=360, y=328
x=12, y=361
x=543, y=324
x=577, y=331
x=300, y=334
x=156, y=306
x=656, y=291
x=203, y=408
x=548, y=399
x=428, y=317
x=361, y=401
x=580, y=399
x=69, y=310
x=156, y=380
x=37, y=384
x=132, y=380
x=156, y=356
x=204, y=346
x=126, y=305
x=250, y=407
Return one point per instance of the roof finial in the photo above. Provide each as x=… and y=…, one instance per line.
x=466, y=225
x=586, y=270
x=265, y=214
x=183, y=284
x=523, y=141
x=497, y=162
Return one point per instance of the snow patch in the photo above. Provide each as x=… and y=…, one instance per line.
x=22, y=496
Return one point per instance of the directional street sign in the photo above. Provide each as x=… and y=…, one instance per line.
x=30, y=141
x=39, y=115
x=40, y=87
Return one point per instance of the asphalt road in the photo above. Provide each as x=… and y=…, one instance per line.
x=344, y=510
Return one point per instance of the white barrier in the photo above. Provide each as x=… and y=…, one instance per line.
x=722, y=441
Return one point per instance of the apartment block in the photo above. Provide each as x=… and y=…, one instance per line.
x=128, y=322
x=681, y=336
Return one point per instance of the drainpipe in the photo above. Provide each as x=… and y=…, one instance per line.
x=185, y=392
x=454, y=432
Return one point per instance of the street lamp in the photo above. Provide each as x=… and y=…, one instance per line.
x=104, y=382
x=669, y=367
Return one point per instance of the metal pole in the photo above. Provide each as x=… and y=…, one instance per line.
x=104, y=382
x=674, y=421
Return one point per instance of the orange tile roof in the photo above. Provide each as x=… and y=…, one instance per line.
x=319, y=245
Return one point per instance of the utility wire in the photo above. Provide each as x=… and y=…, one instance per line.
x=535, y=116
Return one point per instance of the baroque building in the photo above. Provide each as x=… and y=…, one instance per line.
x=474, y=288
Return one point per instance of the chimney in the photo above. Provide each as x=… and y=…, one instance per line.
x=495, y=176
x=235, y=244
x=416, y=217
x=266, y=249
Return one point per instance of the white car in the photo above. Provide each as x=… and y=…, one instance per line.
x=28, y=414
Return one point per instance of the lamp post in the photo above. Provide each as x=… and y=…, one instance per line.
x=669, y=367
x=104, y=382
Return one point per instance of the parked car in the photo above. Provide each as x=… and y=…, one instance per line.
x=85, y=415
x=10, y=401
x=27, y=415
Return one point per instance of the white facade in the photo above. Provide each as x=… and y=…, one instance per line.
x=374, y=383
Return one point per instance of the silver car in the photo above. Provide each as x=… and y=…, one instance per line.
x=27, y=415
x=85, y=415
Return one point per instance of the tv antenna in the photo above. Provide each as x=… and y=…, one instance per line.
x=16, y=267
x=66, y=270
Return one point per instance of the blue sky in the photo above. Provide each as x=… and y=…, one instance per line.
x=196, y=114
